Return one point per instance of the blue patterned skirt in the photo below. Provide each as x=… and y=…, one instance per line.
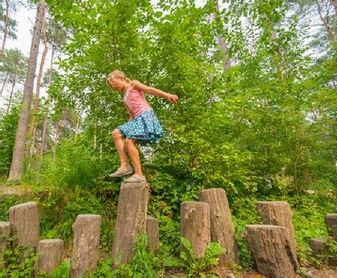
x=145, y=128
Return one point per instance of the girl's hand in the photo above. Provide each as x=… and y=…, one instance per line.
x=172, y=98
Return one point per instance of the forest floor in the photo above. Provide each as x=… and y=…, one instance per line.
x=323, y=272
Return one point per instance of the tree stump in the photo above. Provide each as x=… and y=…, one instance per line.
x=152, y=231
x=318, y=246
x=86, y=244
x=274, y=254
x=277, y=213
x=50, y=254
x=24, y=220
x=196, y=225
x=131, y=215
x=222, y=228
x=5, y=233
x=331, y=222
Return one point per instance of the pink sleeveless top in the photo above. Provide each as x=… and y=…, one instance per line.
x=135, y=102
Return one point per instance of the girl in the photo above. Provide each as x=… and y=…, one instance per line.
x=143, y=126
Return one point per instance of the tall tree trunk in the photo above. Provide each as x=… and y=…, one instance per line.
x=33, y=126
x=16, y=169
x=5, y=31
x=326, y=25
x=46, y=118
x=223, y=46
x=11, y=96
x=334, y=4
x=77, y=128
x=3, y=85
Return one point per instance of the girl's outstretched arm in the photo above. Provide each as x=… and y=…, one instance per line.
x=155, y=92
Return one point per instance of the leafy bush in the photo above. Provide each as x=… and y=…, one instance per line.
x=8, y=124
x=193, y=265
x=75, y=164
x=19, y=261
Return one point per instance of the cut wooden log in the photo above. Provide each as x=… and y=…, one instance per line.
x=50, y=254
x=331, y=222
x=5, y=233
x=152, y=231
x=131, y=220
x=85, y=254
x=196, y=225
x=222, y=228
x=273, y=252
x=277, y=213
x=24, y=220
x=318, y=246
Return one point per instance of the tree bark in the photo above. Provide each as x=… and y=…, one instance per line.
x=196, y=225
x=24, y=219
x=35, y=110
x=272, y=250
x=222, y=228
x=318, y=246
x=223, y=46
x=3, y=85
x=326, y=25
x=5, y=31
x=152, y=231
x=16, y=169
x=280, y=214
x=331, y=222
x=11, y=96
x=85, y=254
x=334, y=4
x=131, y=217
x=50, y=254
x=5, y=233
x=46, y=118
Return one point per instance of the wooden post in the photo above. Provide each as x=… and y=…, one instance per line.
x=24, y=220
x=277, y=213
x=273, y=252
x=131, y=215
x=86, y=244
x=50, y=253
x=196, y=225
x=318, y=246
x=152, y=231
x=331, y=222
x=5, y=233
x=222, y=228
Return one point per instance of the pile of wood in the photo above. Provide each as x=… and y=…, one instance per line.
x=272, y=243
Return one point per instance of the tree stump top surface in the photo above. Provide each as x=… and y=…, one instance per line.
x=332, y=215
x=151, y=218
x=48, y=241
x=24, y=205
x=213, y=189
x=272, y=202
x=194, y=203
x=86, y=216
x=4, y=224
x=132, y=185
x=264, y=226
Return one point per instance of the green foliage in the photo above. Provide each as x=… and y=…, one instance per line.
x=75, y=164
x=143, y=264
x=8, y=124
x=62, y=271
x=308, y=219
x=19, y=261
x=193, y=265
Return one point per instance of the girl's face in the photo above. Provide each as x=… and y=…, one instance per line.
x=117, y=83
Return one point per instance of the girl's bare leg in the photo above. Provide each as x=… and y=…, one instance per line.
x=120, y=146
x=134, y=155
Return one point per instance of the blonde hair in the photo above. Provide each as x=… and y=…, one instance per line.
x=116, y=74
